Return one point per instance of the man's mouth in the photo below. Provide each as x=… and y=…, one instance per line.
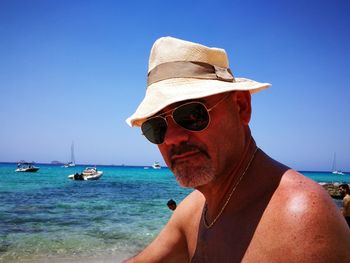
x=185, y=152
x=184, y=155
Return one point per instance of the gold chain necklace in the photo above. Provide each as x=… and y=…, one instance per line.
x=205, y=210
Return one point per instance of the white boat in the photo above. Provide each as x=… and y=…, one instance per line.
x=334, y=166
x=26, y=167
x=72, y=158
x=90, y=173
x=69, y=164
x=156, y=165
x=338, y=172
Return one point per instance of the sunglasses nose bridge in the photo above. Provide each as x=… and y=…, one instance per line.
x=175, y=133
x=169, y=114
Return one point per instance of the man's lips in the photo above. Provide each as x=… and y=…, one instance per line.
x=185, y=151
x=184, y=155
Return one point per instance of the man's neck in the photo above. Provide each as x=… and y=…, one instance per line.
x=219, y=192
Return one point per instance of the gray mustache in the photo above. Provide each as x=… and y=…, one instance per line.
x=186, y=147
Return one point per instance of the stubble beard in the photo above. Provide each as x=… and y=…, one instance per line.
x=192, y=175
x=193, y=171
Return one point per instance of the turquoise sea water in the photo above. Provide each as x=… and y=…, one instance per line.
x=46, y=217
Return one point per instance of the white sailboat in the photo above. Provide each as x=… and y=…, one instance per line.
x=72, y=157
x=334, y=166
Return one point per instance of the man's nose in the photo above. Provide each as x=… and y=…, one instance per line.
x=175, y=134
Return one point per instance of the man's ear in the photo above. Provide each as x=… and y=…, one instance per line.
x=243, y=100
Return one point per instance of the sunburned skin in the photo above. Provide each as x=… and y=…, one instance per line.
x=272, y=216
x=255, y=208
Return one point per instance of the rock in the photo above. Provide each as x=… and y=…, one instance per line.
x=332, y=189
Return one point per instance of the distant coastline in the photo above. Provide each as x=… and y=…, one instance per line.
x=87, y=164
x=57, y=163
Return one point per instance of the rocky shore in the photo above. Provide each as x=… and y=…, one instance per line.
x=332, y=189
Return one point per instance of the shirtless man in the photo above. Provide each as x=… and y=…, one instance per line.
x=345, y=192
x=246, y=207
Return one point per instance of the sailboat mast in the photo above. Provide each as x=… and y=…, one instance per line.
x=72, y=158
x=334, y=166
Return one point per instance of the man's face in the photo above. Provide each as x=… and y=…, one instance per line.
x=172, y=206
x=197, y=158
x=342, y=191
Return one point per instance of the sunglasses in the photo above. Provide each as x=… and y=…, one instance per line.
x=192, y=116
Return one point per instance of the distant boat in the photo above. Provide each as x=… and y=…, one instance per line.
x=334, y=166
x=156, y=165
x=72, y=157
x=26, y=167
x=90, y=173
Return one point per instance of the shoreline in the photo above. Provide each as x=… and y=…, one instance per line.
x=108, y=258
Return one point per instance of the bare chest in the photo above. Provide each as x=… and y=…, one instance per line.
x=223, y=242
x=233, y=235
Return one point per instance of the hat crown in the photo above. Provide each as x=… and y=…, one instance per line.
x=169, y=49
x=180, y=70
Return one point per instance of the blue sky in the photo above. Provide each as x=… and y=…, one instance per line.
x=75, y=70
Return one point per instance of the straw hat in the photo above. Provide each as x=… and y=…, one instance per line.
x=179, y=70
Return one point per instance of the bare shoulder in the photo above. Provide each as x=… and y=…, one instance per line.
x=187, y=217
x=192, y=203
x=188, y=213
x=293, y=183
x=300, y=192
x=303, y=198
x=347, y=198
x=307, y=219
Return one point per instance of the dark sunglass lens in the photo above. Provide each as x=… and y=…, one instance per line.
x=193, y=116
x=154, y=129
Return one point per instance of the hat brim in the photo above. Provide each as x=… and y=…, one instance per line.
x=163, y=93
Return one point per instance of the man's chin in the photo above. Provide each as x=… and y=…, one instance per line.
x=191, y=176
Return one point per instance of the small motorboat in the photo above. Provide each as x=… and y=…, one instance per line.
x=90, y=173
x=26, y=167
x=156, y=165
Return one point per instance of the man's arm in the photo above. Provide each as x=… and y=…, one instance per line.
x=169, y=246
x=346, y=206
x=172, y=243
